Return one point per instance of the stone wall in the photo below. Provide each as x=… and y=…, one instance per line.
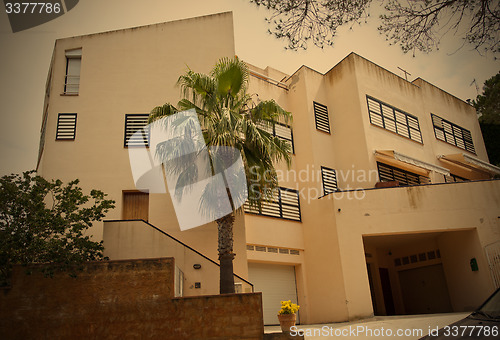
x=122, y=299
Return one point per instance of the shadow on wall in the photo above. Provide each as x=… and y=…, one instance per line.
x=196, y=274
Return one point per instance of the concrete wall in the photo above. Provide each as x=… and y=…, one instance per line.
x=125, y=72
x=467, y=288
x=124, y=240
x=122, y=299
x=444, y=208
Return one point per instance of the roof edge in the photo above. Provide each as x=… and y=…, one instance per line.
x=149, y=25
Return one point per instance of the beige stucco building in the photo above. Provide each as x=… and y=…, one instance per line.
x=391, y=205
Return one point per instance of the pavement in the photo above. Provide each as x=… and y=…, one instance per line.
x=378, y=327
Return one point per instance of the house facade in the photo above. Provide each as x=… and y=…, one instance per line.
x=390, y=205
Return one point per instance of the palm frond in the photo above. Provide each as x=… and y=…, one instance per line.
x=228, y=118
x=231, y=75
x=270, y=111
x=161, y=111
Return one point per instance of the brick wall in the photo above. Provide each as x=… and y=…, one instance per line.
x=130, y=299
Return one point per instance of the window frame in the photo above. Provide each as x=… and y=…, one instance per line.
x=74, y=54
x=273, y=133
x=66, y=126
x=128, y=134
x=454, y=127
x=451, y=178
x=398, y=124
x=324, y=173
x=403, y=172
x=323, y=123
x=278, y=206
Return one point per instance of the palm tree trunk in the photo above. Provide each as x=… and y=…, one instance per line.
x=226, y=255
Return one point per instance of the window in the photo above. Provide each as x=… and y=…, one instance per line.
x=134, y=123
x=66, y=126
x=179, y=282
x=454, y=178
x=452, y=133
x=321, y=117
x=285, y=204
x=387, y=173
x=279, y=130
x=72, y=79
x=329, y=179
x=393, y=119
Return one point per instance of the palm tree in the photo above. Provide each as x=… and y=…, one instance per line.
x=229, y=118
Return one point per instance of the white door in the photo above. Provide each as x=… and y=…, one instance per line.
x=277, y=283
x=493, y=256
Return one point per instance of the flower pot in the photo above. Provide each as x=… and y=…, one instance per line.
x=287, y=321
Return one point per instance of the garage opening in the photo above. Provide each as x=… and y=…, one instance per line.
x=422, y=273
x=277, y=283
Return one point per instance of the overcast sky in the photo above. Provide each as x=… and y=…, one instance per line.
x=25, y=58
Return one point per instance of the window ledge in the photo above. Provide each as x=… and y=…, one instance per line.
x=69, y=94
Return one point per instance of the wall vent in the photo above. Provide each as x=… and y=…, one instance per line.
x=274, y=250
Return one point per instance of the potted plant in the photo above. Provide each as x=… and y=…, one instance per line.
x=287, y=316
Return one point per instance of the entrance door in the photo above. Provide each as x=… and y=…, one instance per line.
x=424, y=290
x=135, y=205
x=277, y=283
x=387, y=291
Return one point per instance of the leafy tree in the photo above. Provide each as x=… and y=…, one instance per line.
x=488, y=103
x=45, y=222
x=414, y=24
x=229, y=118
x=488, y=107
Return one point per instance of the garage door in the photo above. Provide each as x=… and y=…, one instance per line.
x=424, y=290
x=277, y=283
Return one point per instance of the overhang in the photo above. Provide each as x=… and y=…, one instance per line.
x=471, y=163
x=409, y=163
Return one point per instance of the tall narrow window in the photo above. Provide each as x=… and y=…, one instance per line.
x=134, y=123
x=452, y=133
x=321, y=117
x=66, y=126
x=72, y=79
x=329, y=179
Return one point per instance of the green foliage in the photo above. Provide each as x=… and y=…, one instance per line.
x=45, y=222
x=491, y=137
x=488, y=108
x=488, y=103
x=228, y=117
